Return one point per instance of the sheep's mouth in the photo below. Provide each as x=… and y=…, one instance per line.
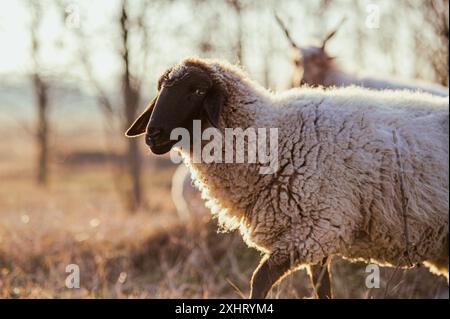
x=162, y=147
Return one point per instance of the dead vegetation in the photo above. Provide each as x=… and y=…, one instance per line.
x=79, y=219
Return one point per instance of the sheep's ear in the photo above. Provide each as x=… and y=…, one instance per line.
x=139, y=126
x=213, y=105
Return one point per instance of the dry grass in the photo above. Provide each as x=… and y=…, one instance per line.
x=80, y=219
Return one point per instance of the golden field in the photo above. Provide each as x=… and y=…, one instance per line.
x=80, y=218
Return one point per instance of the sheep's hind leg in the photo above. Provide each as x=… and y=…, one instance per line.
x=321, y=279
x=269, y=272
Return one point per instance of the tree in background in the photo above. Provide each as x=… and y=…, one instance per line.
x=40, y=88
x=130, y=91
x=437, y=15
x=131, y=96
x=237, y=6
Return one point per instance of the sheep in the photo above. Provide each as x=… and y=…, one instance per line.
x=362, y=174
x=314, y=66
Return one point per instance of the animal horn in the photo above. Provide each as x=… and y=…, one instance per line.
x=286, y=32
x=333, y=33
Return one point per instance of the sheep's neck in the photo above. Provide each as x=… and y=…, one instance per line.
x=244, y=107
x=244, y=98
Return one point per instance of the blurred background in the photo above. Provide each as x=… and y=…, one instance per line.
x=73, y=190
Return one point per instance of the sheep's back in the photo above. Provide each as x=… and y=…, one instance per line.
x=389, y=147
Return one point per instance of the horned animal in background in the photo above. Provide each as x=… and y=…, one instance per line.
x=315, y=67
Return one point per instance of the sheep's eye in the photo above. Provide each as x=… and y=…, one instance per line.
x=200, y=92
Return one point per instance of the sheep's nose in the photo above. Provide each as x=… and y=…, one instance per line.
x=153, y=135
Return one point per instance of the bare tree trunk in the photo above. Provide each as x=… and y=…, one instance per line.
x=437, y=15
x=131, y=99
x=130, y=89
x=41, y=98
x=239, y=54
x=40, y=89
x=237, y=6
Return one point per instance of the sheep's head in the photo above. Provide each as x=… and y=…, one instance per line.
x=186, y=92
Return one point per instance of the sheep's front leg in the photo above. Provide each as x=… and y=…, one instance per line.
x=269, y=272
x=321, y=279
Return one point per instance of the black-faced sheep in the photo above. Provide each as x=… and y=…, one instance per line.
x=362, y=174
